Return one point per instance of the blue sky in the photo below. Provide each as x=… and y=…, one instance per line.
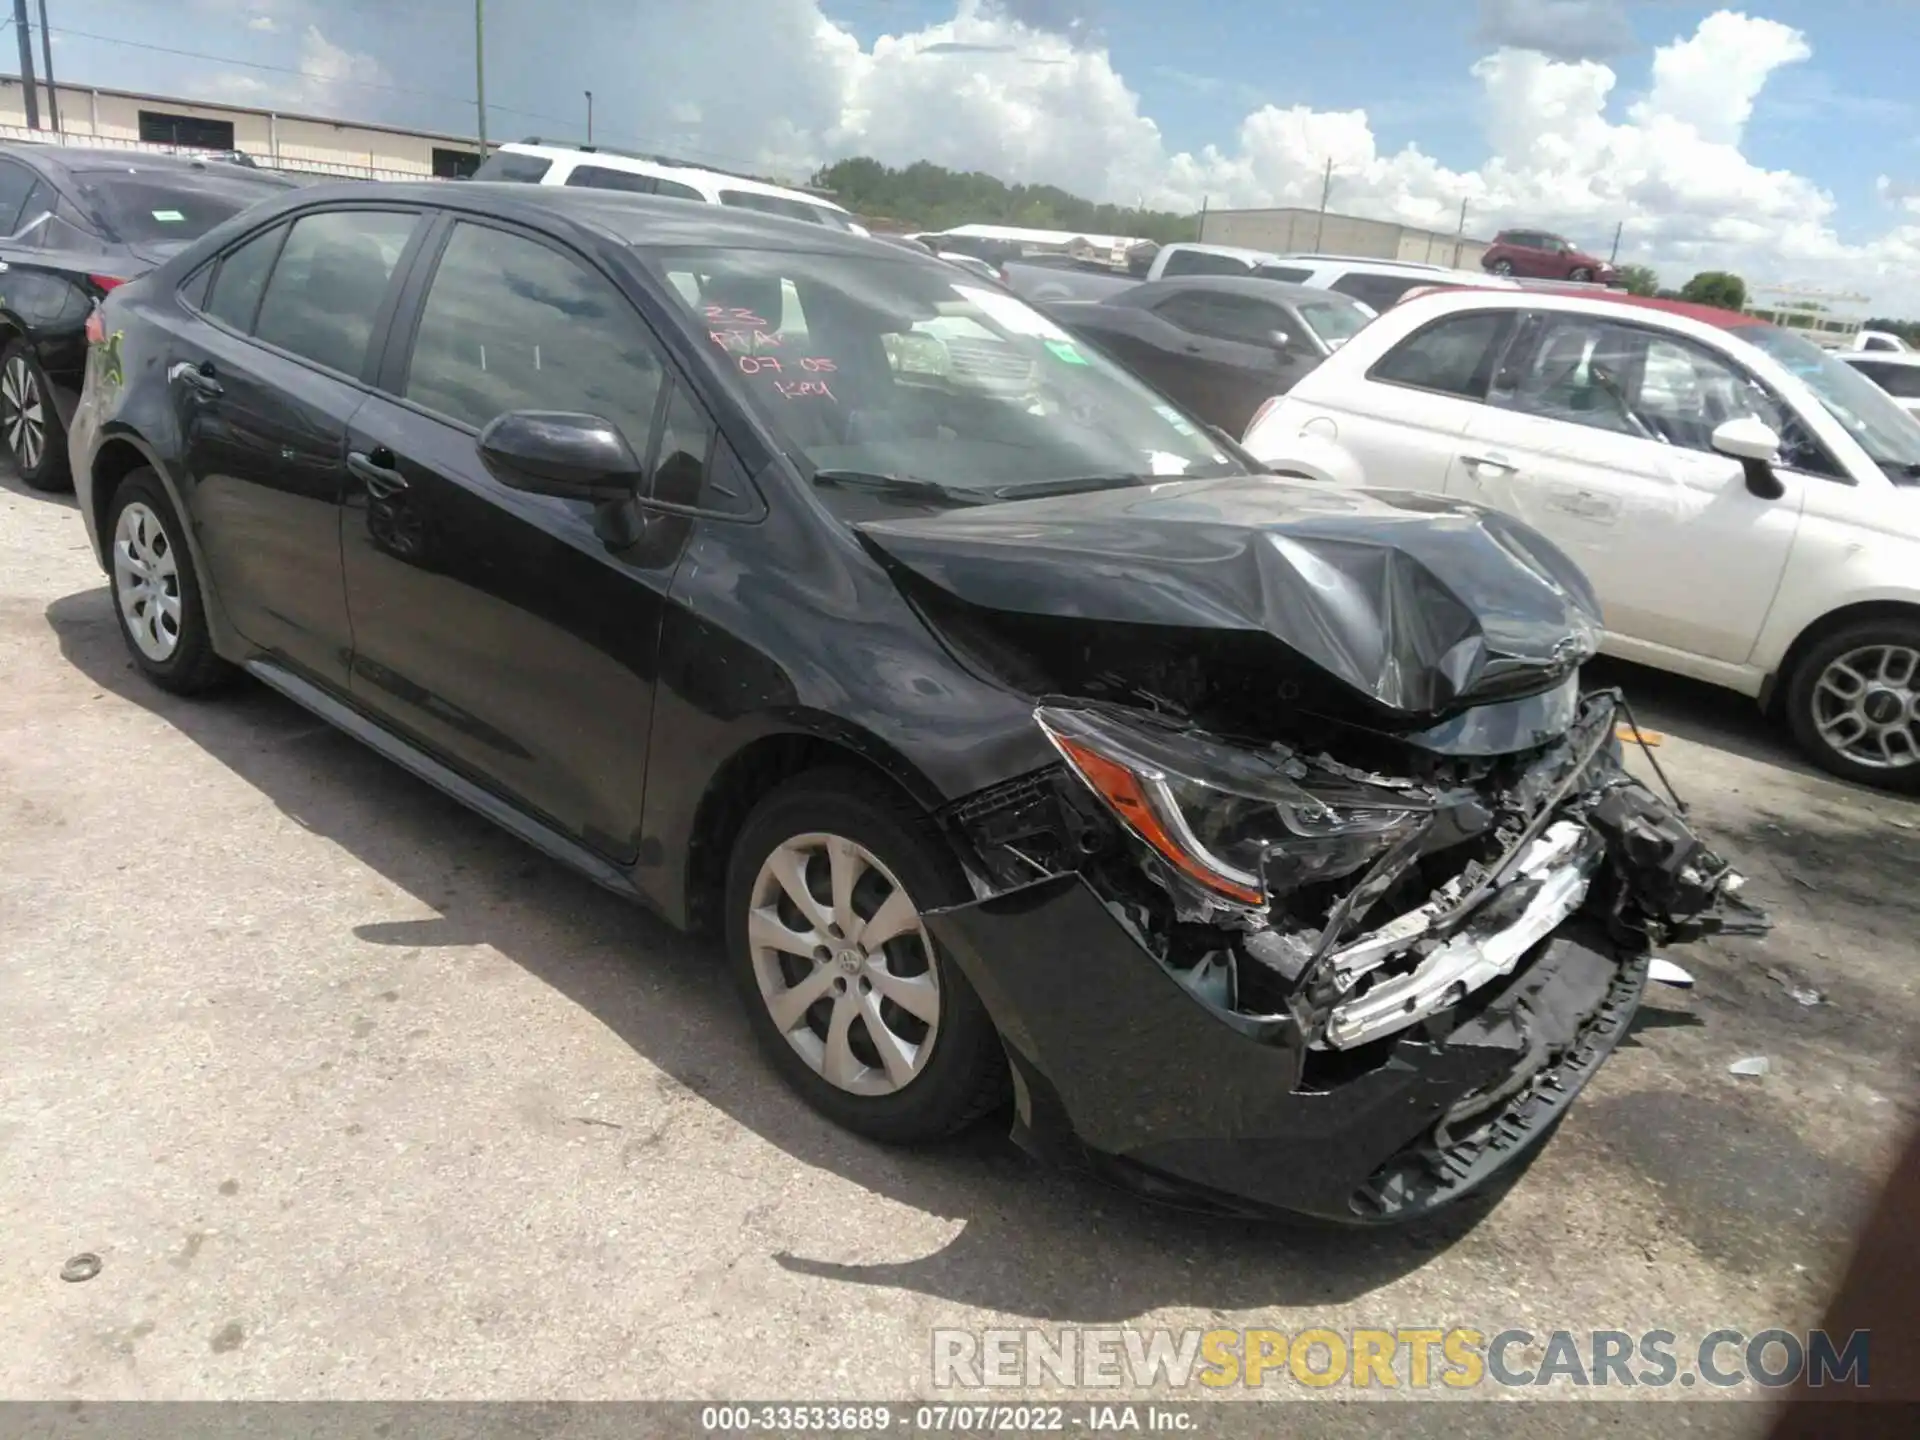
x=1061, y=90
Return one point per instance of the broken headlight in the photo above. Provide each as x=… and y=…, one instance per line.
x=1238, y=822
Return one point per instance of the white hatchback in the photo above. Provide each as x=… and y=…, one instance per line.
x=1746, y=505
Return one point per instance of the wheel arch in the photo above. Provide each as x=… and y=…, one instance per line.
x=754, y=769
x=1773, y=689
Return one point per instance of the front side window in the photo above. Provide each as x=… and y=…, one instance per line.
x=1651, y=386
x=1454, y=356
x=909, y=370
x=1380, y=292
x=512, y=324
x=328, y=284
x=242, y=279
x=1885, y=431
x=1900, y=381
x=1335, y=323
x=1225, y=317
x=604, y=177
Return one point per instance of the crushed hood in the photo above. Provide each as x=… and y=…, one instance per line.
x=1420, y=604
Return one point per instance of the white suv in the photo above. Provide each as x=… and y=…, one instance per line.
x=1746, y=505
x=1378, y=284
x=550, y=163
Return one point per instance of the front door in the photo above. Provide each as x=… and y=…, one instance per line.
x=263, y=385
x=498, y=628
x=1598, y=434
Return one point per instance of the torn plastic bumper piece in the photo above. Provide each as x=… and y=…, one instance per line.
x=1121, y=1069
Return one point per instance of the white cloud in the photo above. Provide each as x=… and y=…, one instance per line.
x=264, y=23
x=332, y=80
x=1042, y=102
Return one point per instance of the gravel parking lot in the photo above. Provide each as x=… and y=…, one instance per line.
x=355, y=1096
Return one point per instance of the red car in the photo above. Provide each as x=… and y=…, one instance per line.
x=1542, y=256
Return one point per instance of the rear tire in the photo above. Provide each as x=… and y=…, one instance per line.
x=1853, y=703
x=30, y=425
x=818, y=979
x=156, y=591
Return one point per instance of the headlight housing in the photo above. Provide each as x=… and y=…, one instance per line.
x=1239, y=823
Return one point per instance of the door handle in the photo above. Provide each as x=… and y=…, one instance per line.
x=376, y=472
x=198, y=378
x=1491, y=464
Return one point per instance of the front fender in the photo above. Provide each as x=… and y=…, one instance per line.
x=1311, y=457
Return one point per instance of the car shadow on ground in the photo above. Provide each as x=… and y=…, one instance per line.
x=1033, y=1241
x=9, y=480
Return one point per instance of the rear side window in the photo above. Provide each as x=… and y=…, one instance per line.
x=674, y=190
x=326, y=289
x=242, y=277
x=1379, y=291
x=15, y=182
x=145, y=207
x=510, y=165
x=602, y=177
x=1454, y=356
x=1201, y=262
x=1292, y=274
x=511, y=324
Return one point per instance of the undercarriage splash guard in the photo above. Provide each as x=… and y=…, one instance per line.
x=1402, y=1065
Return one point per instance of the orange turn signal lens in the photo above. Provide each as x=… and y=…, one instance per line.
x=1121, y=789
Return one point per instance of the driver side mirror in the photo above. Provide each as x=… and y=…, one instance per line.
x=1752, y=442
x=558, y=452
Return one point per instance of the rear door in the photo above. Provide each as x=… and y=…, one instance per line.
x=1599, y=434
x=263, y=385
x=497, y=628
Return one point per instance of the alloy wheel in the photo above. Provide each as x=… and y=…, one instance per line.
x=23, y=418
x=1866, y=706
x=844, y=964
x=146, y=581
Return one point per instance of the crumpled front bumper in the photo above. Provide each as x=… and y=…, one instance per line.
x=1120, y=1068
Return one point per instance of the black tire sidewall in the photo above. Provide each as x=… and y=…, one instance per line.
x=192, y=665
x=1580, y=273
x=967, y=1059
x=1799, y=702
x=52, y=474
x=1501, y=267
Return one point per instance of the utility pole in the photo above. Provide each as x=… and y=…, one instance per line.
x=1460, y=233
x=589, y=117
x=29, y=87
x=1202, y=234
x=1614, y=254
x=480, y=69
x=1326, y=189
x=46, y=50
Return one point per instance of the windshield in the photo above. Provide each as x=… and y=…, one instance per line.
x=910, y=369
x=143, y=206
x=782, y=205
x=1335, y=324
x=1886, y=432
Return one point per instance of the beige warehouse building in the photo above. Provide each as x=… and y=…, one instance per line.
x=90, y=114
x=1297, y=231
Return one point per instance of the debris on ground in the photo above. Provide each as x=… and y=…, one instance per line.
x=1627, y=735
x=1802, y=993
x=83, y=1266
x=1752, y=1065
x=1664, y=972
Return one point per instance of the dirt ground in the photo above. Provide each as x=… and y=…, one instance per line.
x=355, y=1096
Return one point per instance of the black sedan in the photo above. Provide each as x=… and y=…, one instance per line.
x=76, y=223
x=1220, y=346
x=1020, y=742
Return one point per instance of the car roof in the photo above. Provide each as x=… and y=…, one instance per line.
x=1880, y=357
x=661, y=165
x=1250, y=286
x=85, y=160
x=1705, y=314
x=632, y=219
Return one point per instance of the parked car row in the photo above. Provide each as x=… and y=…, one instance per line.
x=1027, y=742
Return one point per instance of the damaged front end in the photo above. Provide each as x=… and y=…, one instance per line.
x=1339, y=889
x=1371, y=990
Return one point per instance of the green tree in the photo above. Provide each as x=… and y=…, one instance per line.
x=925, y=196
x=1640, y=279
x=1716, y=287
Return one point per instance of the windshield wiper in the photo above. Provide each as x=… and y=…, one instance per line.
x=1033, y=489
x=910, y=487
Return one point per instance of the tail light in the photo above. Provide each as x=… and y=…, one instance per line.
x=107, y=282
x=96, y=328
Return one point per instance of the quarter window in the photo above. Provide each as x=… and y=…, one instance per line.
x=1454, y=356
x=604, y=177
x=511, y=324
x=328, y=285
x=242, y=277
x=15, y=182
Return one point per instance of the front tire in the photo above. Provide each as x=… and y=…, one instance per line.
x=1853, y=704
x=848, y=996
x=1501, y=267
x=1580, y=273
x=30, y=425
x=156, y=592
